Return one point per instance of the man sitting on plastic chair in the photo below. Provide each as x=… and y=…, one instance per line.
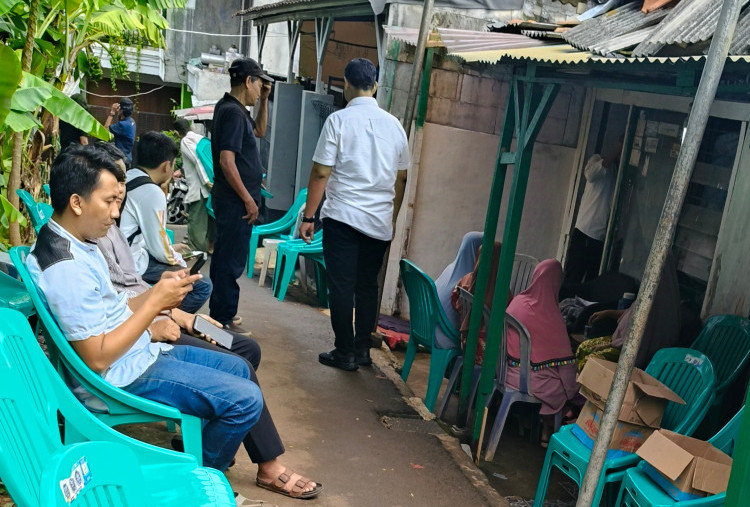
x=109, y=331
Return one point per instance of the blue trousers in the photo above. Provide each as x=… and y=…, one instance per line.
x=213, y=386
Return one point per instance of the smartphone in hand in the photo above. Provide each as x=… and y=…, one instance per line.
x=213, y=331
x=199, y=263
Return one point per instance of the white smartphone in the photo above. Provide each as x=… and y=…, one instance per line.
x=213, y=331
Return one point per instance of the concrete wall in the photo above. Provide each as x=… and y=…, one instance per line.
x=455, y=176
x=209, y=16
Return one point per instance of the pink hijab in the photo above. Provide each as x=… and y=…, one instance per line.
x=537, y=309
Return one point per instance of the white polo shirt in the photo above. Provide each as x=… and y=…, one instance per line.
x=365, y=147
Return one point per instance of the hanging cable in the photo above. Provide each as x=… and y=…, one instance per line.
x=129, y=96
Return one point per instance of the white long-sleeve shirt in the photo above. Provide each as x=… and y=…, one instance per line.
x=195, y=173
x=146, y=207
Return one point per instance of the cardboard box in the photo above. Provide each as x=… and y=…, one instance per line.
x=641, y=413
x=626, y=439
x=686, y=468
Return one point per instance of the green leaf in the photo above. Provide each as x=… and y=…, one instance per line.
x=72, y=5
x=11, y=213
x=9, y=78
x=7, y=5
x=114, y=20
x=35, y=92
x=21, y=122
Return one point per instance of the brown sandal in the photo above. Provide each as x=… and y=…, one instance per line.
x=297, y=491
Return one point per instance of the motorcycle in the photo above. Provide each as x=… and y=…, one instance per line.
x=176, y=208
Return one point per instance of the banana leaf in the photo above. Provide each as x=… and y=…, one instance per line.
x=9, y=78
x=21, y=122
x=11, y=214
x=35, y=92
x=6, y=6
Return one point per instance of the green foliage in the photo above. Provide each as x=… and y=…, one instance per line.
x=9, y=78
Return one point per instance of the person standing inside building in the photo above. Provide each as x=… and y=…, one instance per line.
x=587, y=242
x=200, y=229
x=360, y=162
x=120, y=122
x=236, y=190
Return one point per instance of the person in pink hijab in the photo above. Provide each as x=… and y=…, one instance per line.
x=552, y=376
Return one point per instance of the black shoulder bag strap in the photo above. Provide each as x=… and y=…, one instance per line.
x=129, y=187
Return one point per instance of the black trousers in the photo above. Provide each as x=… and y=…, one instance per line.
x=584, y=257
x=230, y=255
x=353, y=261
x=262, y=442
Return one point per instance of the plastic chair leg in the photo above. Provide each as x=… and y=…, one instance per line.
x=411, y=352
x=254, y=237
x=497, y=428
x=192, y=439
x=457, y=367
x=290, y=260
x=543, y=484
x=438, y=364
x=268, y=250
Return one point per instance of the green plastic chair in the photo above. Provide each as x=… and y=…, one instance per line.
x=34, y=459
x=45, y=187
x=14, y=295
x=687, y=372
x=725, y=339
x=203, y=152
x=39, y=212
x=280, y=229
x=425, y=314
x=286, y=261
x=639, y=490
x=108, y=403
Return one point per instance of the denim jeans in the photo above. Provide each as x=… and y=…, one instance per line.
x=213, y=386
x=194, y=299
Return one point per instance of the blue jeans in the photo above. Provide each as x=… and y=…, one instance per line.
x=213, y=386
x=194, y=299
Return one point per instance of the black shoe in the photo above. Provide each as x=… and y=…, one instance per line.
x=362, y=357
x=336, y=359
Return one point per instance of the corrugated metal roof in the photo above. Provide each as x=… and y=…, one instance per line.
x=741, y=43
x=567, y=54
x=456, y=41
x=408, y=35
x=688, y=23
x=597, y=34
x=272, y=6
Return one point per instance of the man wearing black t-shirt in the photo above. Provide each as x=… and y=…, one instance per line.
x=236, y=190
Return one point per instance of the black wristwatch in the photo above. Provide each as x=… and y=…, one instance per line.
x=310, y=220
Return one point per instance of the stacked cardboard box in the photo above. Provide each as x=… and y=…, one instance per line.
x=641, y=413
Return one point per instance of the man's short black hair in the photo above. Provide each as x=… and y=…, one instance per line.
x=76, y=171
x=155, y=148
x=182, y=126
x=113, y=151
x=126, y=107
x=361, y=73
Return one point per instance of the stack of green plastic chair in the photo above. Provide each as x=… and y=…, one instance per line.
x=638, y=490
x=687, y=372
x=39, y=212
x=725, y=339
x=104, y=468
x=14, y=295
x=280, y=229
x=425, y=313
x=108, y=403
x=286, y=262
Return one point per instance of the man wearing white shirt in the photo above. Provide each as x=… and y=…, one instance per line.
x=200, y=229
x=587, y=241
x=360, y=162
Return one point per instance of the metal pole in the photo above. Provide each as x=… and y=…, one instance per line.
x=699, y=113
x=424, y=31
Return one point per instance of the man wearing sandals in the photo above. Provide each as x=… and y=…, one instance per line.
x=123, y=343
x=360, y=162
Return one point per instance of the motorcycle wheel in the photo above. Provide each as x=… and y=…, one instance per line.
x=176, y=212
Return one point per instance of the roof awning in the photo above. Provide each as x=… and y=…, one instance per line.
x=290, y=10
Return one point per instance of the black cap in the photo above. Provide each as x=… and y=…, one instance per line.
x=244, y=67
